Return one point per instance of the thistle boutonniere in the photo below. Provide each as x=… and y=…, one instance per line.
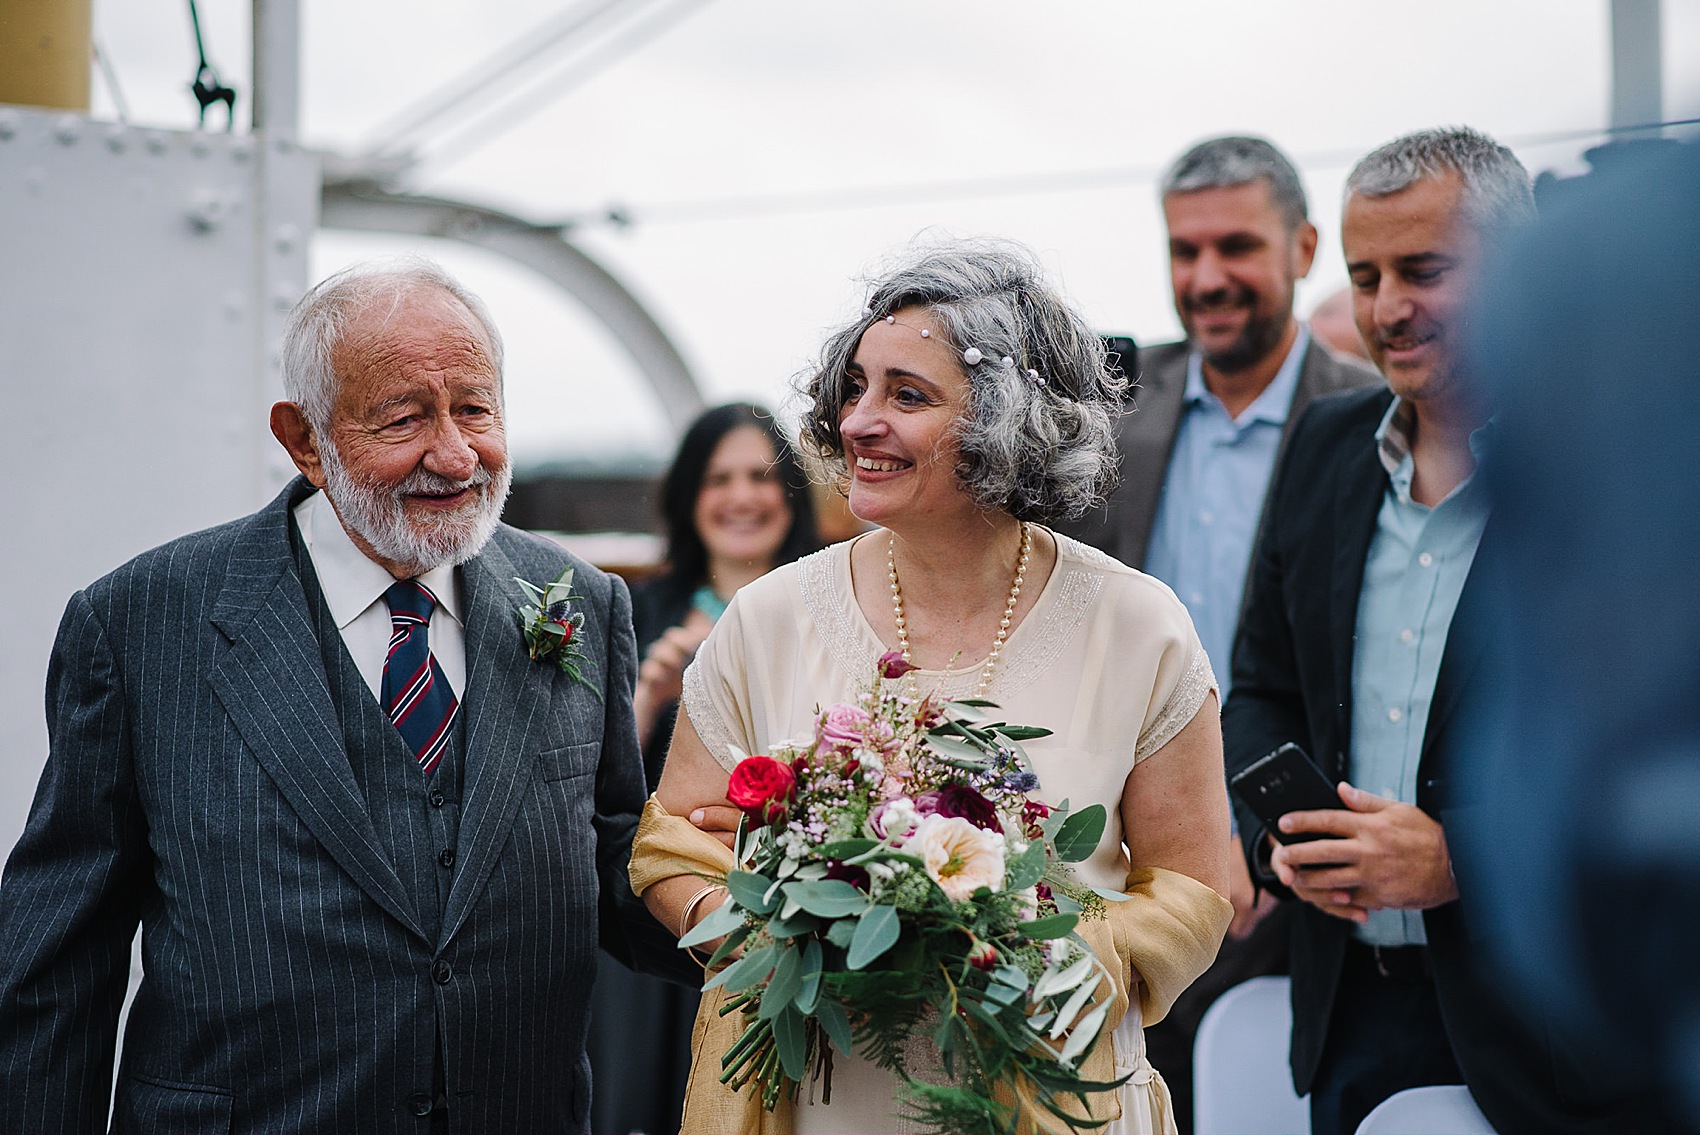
x=552, y=627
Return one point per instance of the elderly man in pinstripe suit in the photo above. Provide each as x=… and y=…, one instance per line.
x=370, y=844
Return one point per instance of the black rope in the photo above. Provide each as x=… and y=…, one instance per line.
x=207, y=87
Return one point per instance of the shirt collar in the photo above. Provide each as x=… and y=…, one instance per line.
x=1276, y=401
x=1393, y=445
x=349, y=580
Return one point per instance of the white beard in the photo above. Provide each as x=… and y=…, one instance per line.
x=380, y=516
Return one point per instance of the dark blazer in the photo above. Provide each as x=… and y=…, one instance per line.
x=198, y=784
x=1146, y=438
x=1292, y=672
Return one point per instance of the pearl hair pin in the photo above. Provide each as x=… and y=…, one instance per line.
x=972, y=356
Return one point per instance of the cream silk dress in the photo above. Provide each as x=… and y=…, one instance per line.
x=1107, y=659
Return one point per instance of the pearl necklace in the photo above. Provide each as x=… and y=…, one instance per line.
x=991, y=663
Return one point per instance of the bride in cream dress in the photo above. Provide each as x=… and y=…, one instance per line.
x=967, y=404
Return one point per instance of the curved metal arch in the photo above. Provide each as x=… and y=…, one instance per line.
x=543, y=248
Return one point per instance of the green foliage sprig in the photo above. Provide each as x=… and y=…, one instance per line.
x=551, y=626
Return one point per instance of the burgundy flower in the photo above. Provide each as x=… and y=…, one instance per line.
x=855, y=876
x=1032, y=811
x=960, y=800
x=894, y=665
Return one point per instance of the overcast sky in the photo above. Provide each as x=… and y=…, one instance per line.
x=770, y=152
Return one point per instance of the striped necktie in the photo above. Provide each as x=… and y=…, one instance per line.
x=416, y=696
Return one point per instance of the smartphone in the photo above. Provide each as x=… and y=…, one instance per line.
x=1286, y=780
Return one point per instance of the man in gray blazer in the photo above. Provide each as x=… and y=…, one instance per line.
x=370, y=843
x=1211, y=414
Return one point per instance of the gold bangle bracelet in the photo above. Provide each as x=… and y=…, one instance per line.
x=691, y=906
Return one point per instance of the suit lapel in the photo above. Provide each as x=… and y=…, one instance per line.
x=505, y=693
x=273, y=686
x=1147, y=441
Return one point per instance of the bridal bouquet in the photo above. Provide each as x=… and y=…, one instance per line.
x=901, y=888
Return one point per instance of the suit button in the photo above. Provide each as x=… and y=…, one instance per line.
x=419, y=1104
x=437, y=799
x=442, y=973
x=447, y=858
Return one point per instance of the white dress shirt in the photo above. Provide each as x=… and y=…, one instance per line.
x=354, y=588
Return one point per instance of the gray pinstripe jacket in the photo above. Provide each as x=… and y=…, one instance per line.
x=198, y=783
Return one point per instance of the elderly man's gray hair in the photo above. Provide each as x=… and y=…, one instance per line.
x=1497, y=194
x=318, y=321
x=1222, y=163
x=1036, y=436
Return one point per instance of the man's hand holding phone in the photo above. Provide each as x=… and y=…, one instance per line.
x=1373, y=854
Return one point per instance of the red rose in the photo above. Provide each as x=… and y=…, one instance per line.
x=761, y=788
x=981, y=955
x=566, y=626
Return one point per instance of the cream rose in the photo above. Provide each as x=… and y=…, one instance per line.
x=960, y=857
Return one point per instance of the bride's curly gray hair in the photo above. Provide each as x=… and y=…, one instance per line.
x=1039, y=450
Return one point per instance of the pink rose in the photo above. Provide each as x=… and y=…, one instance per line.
x=982, y=955
x=761, y=788
x=843, y=727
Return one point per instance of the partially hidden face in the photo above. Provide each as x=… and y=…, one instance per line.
x=1413, y=257
x=417, y=466
x=898, y=422
x=1233, y=266
x=741, y=513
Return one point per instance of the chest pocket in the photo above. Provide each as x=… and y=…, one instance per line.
x=567, y=761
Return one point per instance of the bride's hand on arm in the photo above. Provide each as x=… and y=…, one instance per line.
x=692, y=783
x=1174, y=807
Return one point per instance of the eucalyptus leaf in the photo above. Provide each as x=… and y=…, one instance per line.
x=1027, y=868
x=969, y=710
x=750, y=891
x=1022, y=732
x=723, y=919
x=845, y=848
x=748, y=971
x=790, y=1039
x=1004, y=994
x=953, y=750
x=1111, y=896
x=1084, y=1033
x=841, y=932
x=728, y=946
x=876, y=932
x=796, y=925
x=1012, y=976
x=1056, y=981
x=1080, y=833
x=783, y=985
x=836, y=1023
x=1066, y=904
x=828, y=898
x=808, y=991
x=1052, y=926
x=1072, y=1007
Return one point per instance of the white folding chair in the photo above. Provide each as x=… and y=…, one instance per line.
x=1443, y=1110
x=1241, y=1084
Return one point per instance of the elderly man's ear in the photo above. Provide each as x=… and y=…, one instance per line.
x=291, y=428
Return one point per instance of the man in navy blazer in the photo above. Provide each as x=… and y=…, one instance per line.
x=371, y=845
x=1361, y=642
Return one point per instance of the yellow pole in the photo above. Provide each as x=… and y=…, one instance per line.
x=45, y=53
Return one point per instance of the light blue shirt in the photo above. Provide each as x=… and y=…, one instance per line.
x=1418, y=561
x=1201, y=537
